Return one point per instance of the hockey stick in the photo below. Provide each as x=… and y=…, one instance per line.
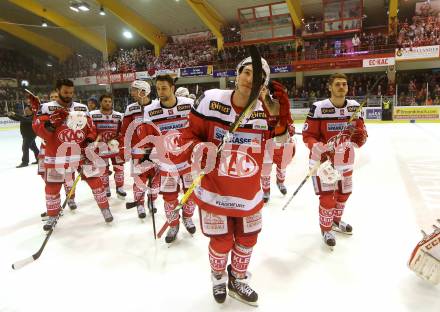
x=21, y=263
x=151, y=207
x=313, y=170
x=257, y=81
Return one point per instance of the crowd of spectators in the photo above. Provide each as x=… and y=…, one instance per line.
x=421, y=30
x=418, y=88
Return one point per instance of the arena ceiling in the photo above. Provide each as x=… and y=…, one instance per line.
x=169, y=16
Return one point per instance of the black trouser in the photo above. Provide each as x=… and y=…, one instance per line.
x=29, y=143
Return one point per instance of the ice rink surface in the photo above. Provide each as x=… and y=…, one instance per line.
x=90, y=266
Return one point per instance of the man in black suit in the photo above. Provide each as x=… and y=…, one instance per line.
x=28, y=136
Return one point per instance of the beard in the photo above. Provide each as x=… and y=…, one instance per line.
x=65, y=99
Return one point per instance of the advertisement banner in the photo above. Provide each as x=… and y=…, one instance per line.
x=196, y=71
x=102, y=78
x=416, y=112
x=299, y=113
x=5, y=122
x=115, y=78
x=128, y=77
x=224, y=73
x=85, y=81
x=371, y=113
x=8, y=82
x=418, y=53
x=379, y=61
x=281, y=69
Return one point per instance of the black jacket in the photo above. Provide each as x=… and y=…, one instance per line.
x=25, y=125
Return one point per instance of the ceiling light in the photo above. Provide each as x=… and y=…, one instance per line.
x=84, y=7
x=49, y=65
x=101, y=11
x=74, y=7
x=43, y=23
x=127, y=34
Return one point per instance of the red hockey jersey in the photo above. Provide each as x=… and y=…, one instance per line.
x=323, y=124
x=171, y=122
x=233, y=187
x=108, y=126
x=64, y=147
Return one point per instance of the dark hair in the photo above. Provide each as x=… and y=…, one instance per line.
x=93, y=99
x=105, y=95
x=53, y=91
x=64, y=82
x=335, y=76
x=166, y=78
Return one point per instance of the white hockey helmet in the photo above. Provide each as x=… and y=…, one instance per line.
x=248, y=61
x=142, y=86
x=182, y=91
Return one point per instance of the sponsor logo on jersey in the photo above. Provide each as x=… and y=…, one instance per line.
x=258, y=115
x=352, y=109
x=328, y=110
x=342, y=111
x=238, y=137
x=177, y=124
x=155, y=112
x=259, y=127
x=306, y=127
x=71, y=136
x=338, y=126
x=106, y=126
x=170, y=112
x=237, y=164
x=53, y=108
x=134, y=107
x=219, y=107
x=96, y=116
x=116, y=116
x=183, y=107
x=80, y=108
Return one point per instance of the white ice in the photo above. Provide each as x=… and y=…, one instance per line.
x=90, y=266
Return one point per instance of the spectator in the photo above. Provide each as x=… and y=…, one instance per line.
x=356, y=42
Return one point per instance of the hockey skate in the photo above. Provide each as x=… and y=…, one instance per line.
x=71, y=203
x=120, y=193
x=219, y=287
x=106, y=213
x=240, y=290
x=172, y=234
x=329, y=239
x=141, y=211
x=282, y=188
x=266, y=196
x=50, y=223
x=189, y=225
x=342, y=227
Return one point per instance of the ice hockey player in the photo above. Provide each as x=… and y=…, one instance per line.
x=230, y=197
x=280, y=154
x=108, y=125
x=67, y=129
x=53, y=97
x=133, y=117
x=331, y=141
x=182, y=91
x=169, y=114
